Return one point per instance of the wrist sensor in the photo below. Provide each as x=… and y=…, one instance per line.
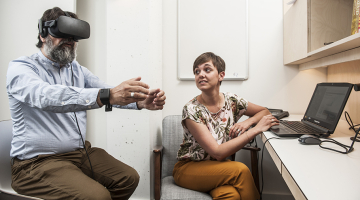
x=105, y=99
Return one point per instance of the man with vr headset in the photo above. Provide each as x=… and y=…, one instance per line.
x=49, y=94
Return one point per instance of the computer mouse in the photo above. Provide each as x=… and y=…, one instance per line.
x=309, y=140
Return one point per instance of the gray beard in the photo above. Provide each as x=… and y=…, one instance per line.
x=60, y=54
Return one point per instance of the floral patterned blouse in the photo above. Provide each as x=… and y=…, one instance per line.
x=219, y=125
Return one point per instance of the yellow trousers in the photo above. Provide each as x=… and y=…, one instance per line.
x=221, y=179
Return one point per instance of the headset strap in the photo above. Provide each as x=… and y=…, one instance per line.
x=50, y=23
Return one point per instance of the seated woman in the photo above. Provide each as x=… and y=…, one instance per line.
x=211, y=134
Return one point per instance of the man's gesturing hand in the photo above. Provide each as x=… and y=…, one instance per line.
x=155, y=100
x=121, y=94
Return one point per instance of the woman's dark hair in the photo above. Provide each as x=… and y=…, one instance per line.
x=217, y=61
x=52, y=14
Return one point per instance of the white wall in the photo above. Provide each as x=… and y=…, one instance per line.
x=91, y=53
x=125, y=42
x=19, y=35
x=134, y=49
x=270, y=83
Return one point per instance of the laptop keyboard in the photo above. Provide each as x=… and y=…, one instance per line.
x=299, y=127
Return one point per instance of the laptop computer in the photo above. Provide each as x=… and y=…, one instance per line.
x=322, y=114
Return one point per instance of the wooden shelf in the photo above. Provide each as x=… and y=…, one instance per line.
x=308, y=24
x=343, y=57
x=344, y=50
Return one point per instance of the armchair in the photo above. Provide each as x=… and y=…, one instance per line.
x=165, y=159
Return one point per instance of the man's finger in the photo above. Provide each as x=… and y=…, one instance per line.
x=159, y=107
x=163, y=98
x=160, y=103
x=138, y=96
x=133, y=99
x=138, y=83
x=138, y=89
x=161, y=94
x=135, y=79
x=154, y=91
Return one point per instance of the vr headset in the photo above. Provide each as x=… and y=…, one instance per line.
x=65, y=27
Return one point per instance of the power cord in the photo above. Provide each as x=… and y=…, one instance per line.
x=352, y=126
x=347, y=148
x=72, y=83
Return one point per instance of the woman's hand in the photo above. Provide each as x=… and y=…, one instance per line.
x=266, y=122
x=240, y=127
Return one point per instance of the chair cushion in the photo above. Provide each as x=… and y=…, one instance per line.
x=169, y=190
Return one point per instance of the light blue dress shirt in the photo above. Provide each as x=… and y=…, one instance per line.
x=43, y=101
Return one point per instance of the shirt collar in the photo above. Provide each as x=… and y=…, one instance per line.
x=50, y=62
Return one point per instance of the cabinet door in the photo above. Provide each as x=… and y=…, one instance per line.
x=296, y=34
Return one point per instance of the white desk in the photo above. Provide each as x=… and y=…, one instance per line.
x=314, y=173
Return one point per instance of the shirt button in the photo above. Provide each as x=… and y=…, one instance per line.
x=87, y=101
x=52, y=63
x=62, y=103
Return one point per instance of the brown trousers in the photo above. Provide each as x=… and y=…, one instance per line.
x=228, y=180
x=68, y=176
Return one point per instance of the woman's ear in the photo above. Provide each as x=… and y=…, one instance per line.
x=221, y=75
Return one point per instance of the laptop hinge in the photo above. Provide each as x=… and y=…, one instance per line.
x=325, y=130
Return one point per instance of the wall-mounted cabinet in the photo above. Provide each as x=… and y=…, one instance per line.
x=317, y=33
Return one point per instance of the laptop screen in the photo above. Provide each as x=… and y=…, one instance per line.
x=327, y=104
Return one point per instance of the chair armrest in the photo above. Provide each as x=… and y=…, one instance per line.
x=251, y=148
x=157, y=171
x=158, y=149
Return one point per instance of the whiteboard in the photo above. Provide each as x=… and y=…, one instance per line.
x=218, y=26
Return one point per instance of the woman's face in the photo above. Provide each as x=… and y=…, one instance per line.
x=207, y=76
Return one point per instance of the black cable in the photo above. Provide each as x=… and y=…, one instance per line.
x=352, y=126
x=347, y=148
x=92, y=171
x=337, y=143
x=82, y=139
x=349, y=121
